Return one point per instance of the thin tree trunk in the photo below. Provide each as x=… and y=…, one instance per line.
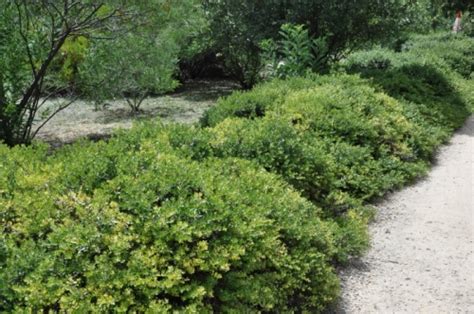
x=5, y=131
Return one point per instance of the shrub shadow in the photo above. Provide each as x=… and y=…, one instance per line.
x=205, y=90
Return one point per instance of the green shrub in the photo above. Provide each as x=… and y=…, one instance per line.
x=278, y=147
x=88, y=165
x=375, y=59
x=445, y=51
x=426, y=76
x=302, y=158
x=432, y=91
x=297, y=138
x=171, y=235
x=359, y=116
x=255, y=103
x=456, y=50
x=18, y=160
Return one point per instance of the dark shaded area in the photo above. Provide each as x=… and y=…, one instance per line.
x=205, y=65
x=249, y=113
x=205, y=89
x=55, y=144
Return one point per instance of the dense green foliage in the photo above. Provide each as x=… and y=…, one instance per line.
x=213, y=218
x=295, y=53
x=456, y=51
x=237, y=29
x=156, y=233
x=319, y=118
x=143, y=61
x=432, y=72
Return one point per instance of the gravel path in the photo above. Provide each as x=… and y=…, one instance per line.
x=421, y=259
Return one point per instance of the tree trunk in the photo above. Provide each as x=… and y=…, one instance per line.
x=5, y=131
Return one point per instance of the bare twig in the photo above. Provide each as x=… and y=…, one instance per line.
x=60, y=108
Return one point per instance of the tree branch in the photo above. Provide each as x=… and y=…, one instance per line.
x=60, y=108
x=24, y=37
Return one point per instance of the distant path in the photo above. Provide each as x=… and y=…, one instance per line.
x=422, y=259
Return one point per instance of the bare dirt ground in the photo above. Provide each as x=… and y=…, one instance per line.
x=81, y=119
x=421, y=259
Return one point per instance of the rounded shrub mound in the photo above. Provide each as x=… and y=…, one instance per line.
x=163, y=235
x=435, y=94
x=277, y=146
x=254, y=103
x=264, y=97
x=430, y=76
x=306, y=162
x=373, y=145
x=456, y=50
x=359, y=116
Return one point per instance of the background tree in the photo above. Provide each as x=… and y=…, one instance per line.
x=132, y=68
x=32, y=34
x=238, y=27
x=143, y=61
x=88, y=49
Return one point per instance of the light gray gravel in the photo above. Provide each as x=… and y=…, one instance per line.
x=421, y=259
x=80, y=119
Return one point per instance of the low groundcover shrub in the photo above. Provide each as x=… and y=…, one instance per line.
x=173, y=235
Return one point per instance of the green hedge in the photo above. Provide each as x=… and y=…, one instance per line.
x=446, y=51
